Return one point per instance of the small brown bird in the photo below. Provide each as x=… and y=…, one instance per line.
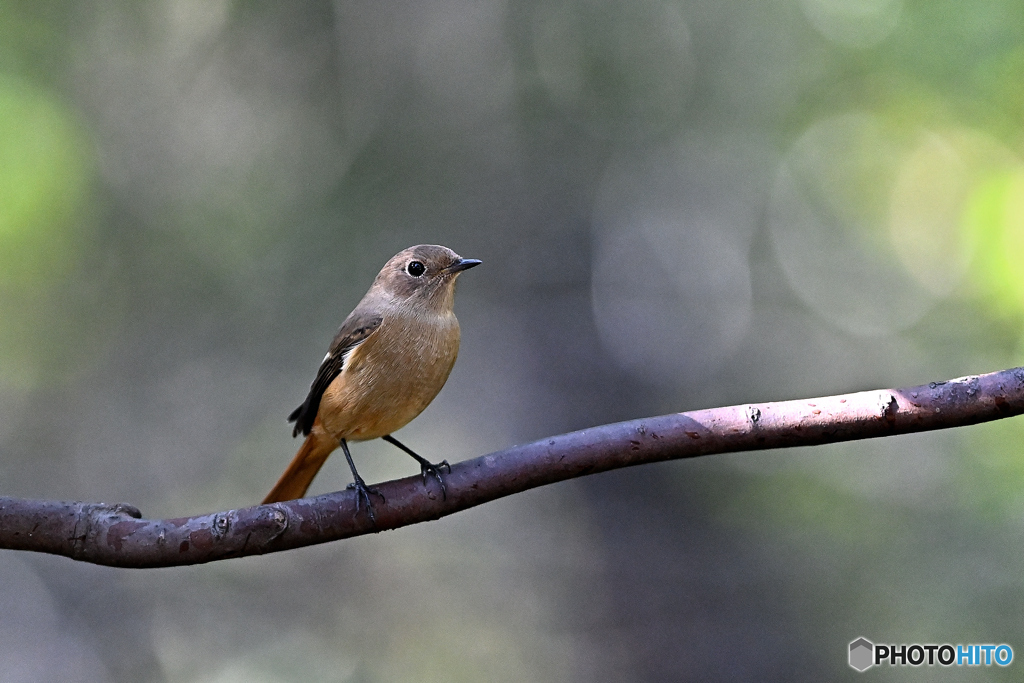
x=388, y=361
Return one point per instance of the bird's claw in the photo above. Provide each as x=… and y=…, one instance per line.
x=363, y=494
x=435, y=471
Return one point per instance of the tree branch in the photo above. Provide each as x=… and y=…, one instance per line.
x=116, y=535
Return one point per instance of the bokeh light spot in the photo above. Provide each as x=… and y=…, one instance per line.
x=853, y=23
x=671, y=285
x=925, y=223
x=42, y=182
x=594, y=68
x=829, y=222
x=995, y=217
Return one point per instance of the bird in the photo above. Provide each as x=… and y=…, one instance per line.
x=388, y=361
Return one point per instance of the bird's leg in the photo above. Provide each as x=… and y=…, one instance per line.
x=426, y=467
x=362, y=490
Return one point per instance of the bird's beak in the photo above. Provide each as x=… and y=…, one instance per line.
x=462, y=264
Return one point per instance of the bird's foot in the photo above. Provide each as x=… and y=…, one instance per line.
x=429, y=468
x=363, y=495
x=426, y=467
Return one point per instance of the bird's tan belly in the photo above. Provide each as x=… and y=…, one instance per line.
x=388, y=380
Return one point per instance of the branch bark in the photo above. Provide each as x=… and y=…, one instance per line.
x=117, y=535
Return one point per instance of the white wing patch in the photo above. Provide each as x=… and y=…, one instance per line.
x=345, y=356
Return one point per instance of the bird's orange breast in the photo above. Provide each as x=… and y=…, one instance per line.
x=392, y=376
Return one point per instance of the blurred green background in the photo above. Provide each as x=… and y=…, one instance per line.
x=678, y=204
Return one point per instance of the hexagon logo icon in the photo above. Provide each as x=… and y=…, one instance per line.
x=862, y=654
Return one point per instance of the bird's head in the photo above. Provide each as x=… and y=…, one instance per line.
x=424, y=274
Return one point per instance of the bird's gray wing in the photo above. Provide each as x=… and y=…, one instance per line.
x=356, y=329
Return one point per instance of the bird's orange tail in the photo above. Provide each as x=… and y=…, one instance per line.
x=303, y=467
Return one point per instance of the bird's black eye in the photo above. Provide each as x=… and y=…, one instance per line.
x=415, y=268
